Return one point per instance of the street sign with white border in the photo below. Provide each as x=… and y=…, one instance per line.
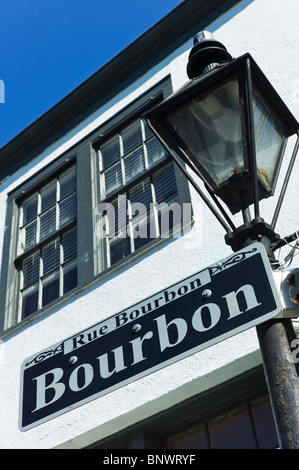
x=222, y=300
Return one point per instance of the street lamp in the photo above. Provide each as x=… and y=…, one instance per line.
x=230, y=127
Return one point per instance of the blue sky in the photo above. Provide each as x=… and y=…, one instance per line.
x=49, y=47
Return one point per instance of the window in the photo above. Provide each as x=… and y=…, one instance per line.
x=48, y=243
x=56, y=242
x=127, y=155
x=195, y=424
x=137, y=182
x=248, y=427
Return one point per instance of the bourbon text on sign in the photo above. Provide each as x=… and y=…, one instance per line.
x=222, y=300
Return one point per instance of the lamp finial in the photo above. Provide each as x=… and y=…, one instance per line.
x=206, y=54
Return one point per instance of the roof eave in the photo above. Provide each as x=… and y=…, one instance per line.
x=163, y=36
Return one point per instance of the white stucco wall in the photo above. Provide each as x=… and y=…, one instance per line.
x=269, y=30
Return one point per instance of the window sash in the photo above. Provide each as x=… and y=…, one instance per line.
x=48, y=242
x=134, y=218
x=49, y=272
x=126, y=156
x=48, y=210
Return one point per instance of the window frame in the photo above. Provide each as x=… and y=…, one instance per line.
x=90, y=252
x=10, y=303
x=122, y=120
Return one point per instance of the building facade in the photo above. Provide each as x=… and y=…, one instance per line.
x=95, y=219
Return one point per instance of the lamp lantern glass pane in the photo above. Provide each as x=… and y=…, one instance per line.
x=209, y=125
x=269, y=137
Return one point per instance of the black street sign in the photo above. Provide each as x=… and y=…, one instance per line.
x=201, y=310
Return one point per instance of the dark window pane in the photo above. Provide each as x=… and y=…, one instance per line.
x=29, y=210
x=118, y=217
x=119, y=249
x=30, y=303
x=232, y=431
x=142, y=231
x=68, y=210
x=113, y=179
x=30, y=235
x=169, y=217
x=47, y=223
x=67, y=183
x=264, y=424
x=141, y=193
x=134, y=164
x=51, y=256
x=110, y=152
x=155, y=151
x=50, y=289
x=193, y=439
x=164, y=183
x=31, y=269
x=69, y=279
x=69, y=244
x=48, y=197
x=132, y=137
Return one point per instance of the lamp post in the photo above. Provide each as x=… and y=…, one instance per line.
x=230, y=127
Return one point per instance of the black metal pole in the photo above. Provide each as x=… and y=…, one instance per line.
x=281, y=373
x=282, y=379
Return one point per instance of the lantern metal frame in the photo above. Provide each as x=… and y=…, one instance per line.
x=239, y=191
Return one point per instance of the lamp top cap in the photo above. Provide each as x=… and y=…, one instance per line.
x=206, y=54
x=203, y=36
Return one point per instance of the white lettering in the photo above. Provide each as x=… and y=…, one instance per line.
x=121, y=319
x=202, y=322
x=50, y=386
x=233, y=304
x=137, y=347
x=118, y=361
x=114, y=460
x=41, y=388
x=87, y=375
x=163, y=329
x=176, y=459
